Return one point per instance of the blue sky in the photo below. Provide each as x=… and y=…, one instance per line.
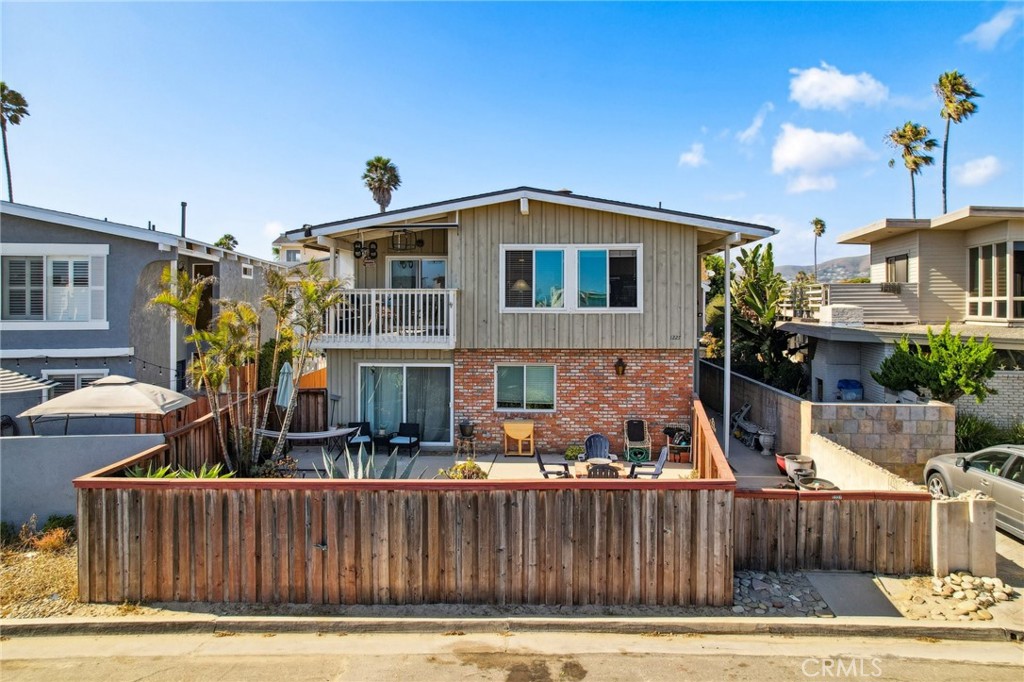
x=262, y=115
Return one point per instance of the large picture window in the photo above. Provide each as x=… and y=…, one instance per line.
x=897, y=268
x=580, y=278
x=524, y=387
x=987, y=281
x=53, y=291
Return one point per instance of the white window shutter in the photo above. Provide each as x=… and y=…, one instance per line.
x=98, y=288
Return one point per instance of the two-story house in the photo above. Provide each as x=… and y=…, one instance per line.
x=571, y=311
x=965, y=267
x=75, y=301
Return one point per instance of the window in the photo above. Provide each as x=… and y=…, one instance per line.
x=69, y=380
x=246, y=271
x=291, y=255
x=43, y=289
x=990, y=462
x=417, y=273
x=987, y=281
x=896, y=268
x=524, y=387
x=571, y=278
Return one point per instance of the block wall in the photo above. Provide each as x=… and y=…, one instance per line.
x=589, y=396
x=1006, y=407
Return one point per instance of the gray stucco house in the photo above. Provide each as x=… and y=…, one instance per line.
x=75, y=295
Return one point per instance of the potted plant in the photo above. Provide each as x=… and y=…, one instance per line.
x=466, y=428
x=575, y=451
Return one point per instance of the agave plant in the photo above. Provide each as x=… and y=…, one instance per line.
x=363, y=466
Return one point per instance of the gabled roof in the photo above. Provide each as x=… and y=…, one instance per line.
x=748, y=231
x=163, y=240
x=966, y=218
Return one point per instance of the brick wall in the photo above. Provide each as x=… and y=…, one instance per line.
x=590, y=398
x=1006, y=408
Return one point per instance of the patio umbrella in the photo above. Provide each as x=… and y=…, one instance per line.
x=111, y=395
x=16, y=382
x=284, y=386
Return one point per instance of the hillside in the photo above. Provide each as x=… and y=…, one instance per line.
x=834, y=270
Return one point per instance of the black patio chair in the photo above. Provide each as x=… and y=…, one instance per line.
x=561, y=469
x=408, y=437
x=602, y=471
x=362, y=437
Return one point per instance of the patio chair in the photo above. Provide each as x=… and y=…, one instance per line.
x=602, y=471
x=638, y=440
x=655, y=469
x=362, y=437
x=596, y=445
x=408, y=437
x=560, y=470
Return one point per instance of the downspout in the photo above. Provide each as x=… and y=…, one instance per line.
x=727, y=383
x=172, y=354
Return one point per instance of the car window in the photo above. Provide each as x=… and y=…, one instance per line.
x=990, y=462
x=1015, y=472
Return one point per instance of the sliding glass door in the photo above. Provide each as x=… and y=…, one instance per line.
x=421, y=394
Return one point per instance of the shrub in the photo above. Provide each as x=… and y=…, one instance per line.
x=974, y=433
x=66, y=521
x=464, y=471
x=574, y=451
x=1015, y=434
x=54, y=540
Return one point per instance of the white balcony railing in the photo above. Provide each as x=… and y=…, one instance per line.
x=392, y=318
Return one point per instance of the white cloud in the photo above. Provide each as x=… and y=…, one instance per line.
x=273, y=229
x=810, y=151
x=828, y=88
x=750, y=134
x=977, y=172
x=811, y=183
x=986, y=36
x=694, y=157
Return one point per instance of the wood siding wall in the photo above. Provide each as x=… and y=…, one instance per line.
x=669, y=280
x=435, y=245
x=943, y=277
x=884, y=532
x=895, y=246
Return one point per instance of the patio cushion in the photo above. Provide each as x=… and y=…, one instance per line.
x=404, y=440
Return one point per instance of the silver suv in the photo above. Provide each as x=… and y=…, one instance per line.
x=997, y=471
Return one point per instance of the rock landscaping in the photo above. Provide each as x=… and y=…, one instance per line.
x=776, y=594
x=958, y=596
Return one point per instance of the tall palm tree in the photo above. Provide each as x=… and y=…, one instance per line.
x=956, y=93
x=912, y=140
x=13, y=108
x=819, y=229
x=381, y=177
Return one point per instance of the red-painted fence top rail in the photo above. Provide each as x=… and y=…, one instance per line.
x=828, y=495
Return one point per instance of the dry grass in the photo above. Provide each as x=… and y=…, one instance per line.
x=35, y=578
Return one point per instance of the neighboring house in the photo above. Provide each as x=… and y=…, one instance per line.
x=966, y=267
x=76, y=295
x=517, y=305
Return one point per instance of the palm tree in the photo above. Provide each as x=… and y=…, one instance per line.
x=819, y=229
x=227, y=242
x=912, y=140
x=956, y=93
x=12, y=108
x=381, y=177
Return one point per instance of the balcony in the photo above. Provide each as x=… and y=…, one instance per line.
x=882, y=302
x=392, y=318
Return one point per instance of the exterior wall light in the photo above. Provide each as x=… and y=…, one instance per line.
x=620, y=367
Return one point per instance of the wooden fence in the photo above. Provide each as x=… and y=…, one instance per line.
x=580, y=541
x=787, y=530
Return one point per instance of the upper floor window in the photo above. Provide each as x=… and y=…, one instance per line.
x=417, y=273
x=292, y=255
x=896, y=268
x=987, y=276
x=572, y=278
x=72, y=379
x=247, y=271
x=46, y=289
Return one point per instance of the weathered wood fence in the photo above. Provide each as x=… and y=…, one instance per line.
x=581, y=541
x=883, y=532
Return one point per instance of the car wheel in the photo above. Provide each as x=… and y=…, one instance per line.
x=937, y=486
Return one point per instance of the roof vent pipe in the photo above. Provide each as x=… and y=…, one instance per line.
x=183, y=205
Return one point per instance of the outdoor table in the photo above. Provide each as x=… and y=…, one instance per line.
x=580, y=468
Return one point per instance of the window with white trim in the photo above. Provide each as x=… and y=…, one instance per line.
x=987, y=275
x=524, y=387
x=53, y=288
x=69, y=380
x=246, y=271
x=575, y=278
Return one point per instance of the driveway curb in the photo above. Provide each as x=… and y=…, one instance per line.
x=209, y=624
